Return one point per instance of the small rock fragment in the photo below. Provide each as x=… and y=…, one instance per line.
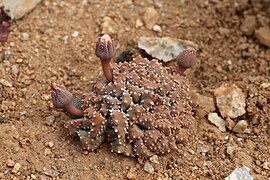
x=14, y=70
x=230, y=150
x=50, y=172
x=25, y=36
x=224, y=31
x=241, y=173
x=230, y=101
x=248, y=26
x=202, y=149
x=148, y=168
x=218, y=121
x=65, y=39
x=5, y=82
x=138, y=23
x=75, y=34
x=47, y=151
x=50, y=120
x=151, y=17
x=16, y=168
x=191, y=151
x=157, y=28
x=240, y=127
x=50, y=144
x=263, y=36
x=154, y=159
x=10, y=163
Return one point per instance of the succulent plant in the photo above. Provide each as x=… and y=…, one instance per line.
x=139, y=107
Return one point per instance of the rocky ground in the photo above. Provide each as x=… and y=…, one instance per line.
x=56, y=42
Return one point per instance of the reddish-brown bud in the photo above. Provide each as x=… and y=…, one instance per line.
x=60, y=96
x=104, y=48
x=105, y=51
x=185, y=60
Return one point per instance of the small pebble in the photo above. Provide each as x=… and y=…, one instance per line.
x=240, y=127
x=47, y=151
x=75, y=34
x=230, y=150
x=6, y=55
x=191, y=151
x=138, y=23
x=148, y=168
x=224, y=31
x=14, y=70
x=218, y=121
x=230, y=100
x=16, y=168
x=203, y=149
x=5, y=82
x=157, y=28
x=25, y=36
x=154, y=159
x=50, y=144
x=50, y=120
x=65, y=39
x=10, y=163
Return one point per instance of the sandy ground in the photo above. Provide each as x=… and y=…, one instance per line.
x=33, y=144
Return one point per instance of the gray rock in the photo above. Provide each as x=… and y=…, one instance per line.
x=241, y=173
x=218, y=121
x=18, y=8
x=148, y=168
x=165, y=48
x=230, y=101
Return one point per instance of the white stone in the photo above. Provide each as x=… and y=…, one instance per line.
x=65, y=39
x=157, y=28
x=241, y=173
x=25, y=36
x=230, y=101
x=75, y=34
x=218, y=121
